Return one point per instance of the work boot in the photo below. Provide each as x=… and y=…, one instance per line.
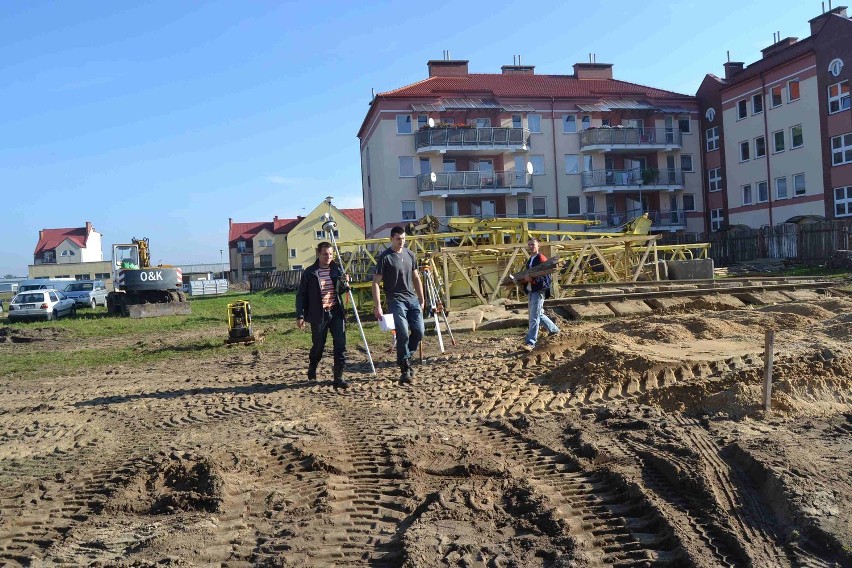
x=405, y=372
x=312, y=370
x=339, y=383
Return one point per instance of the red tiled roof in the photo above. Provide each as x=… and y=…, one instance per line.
x=357, y=216
x=52, y=238
x=284, y=226
x=526, y=86
x=247, y=231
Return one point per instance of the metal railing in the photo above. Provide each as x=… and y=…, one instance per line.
x=659, y=218
x=633, y=177
x=474, y=181
x=623, y=136
x=497, y=137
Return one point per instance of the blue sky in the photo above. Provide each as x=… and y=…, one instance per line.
x=163, y=119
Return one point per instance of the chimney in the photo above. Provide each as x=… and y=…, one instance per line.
x=88, y=227
x=816, y=23
x=230, y=222
x=448, y=68
x=275, y=219
x=518, y=69
x=778, y=46
x=593, y=70
x=732, y=68
x=40, y=235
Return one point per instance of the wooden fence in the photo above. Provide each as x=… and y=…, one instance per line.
x=811, y=242
x=279, y=280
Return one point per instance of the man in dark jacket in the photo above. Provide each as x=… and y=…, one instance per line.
x=538, y=290
x=319, y=301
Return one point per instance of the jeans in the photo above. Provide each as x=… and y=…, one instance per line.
x=537, y=316
x=319, y=333
x=408, y=321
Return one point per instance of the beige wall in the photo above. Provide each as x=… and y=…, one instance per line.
x=72, y=270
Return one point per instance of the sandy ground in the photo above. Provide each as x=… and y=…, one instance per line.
x=625, y=442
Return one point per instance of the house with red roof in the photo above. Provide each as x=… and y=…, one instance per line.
x=521, y=144
x=70, y=253
x=287, y=244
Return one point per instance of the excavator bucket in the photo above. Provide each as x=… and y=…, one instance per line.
x=138, y=311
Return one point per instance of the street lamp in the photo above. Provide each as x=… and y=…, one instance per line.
x=221, y=263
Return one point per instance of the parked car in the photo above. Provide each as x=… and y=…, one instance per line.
x=41, y=304
x=89, y=293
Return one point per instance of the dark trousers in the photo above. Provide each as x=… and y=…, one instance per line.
x=319, y=333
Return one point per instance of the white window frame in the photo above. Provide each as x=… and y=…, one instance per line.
x=711, y=138
x=765, y=191
x=746, y=194
x=772, y=90
x=534, y=160
x=714, y=180
x=840, y=101
x=293, y=253
x=572, y=163
x=569, y=119
x=754, y=98
x=845, y=201
x=688, y=124
x=539, y=200
x=798, y=84
x=775, y=149
x=796, y=192
x=841, y=146
x=756, y=154
x=793, y=138
x=691, y=167
x=404, y=210
x=742, y=109
x=717, y=219
x=517, y=121
x=745, y=146
x=778, y=184
x=400, y=128
x=403, y=160
x=482, y=122
x=422, y=121
x=585, y=122
x=534, y=123
x=319, y=235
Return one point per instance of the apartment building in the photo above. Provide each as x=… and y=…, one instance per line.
x=517, y=143
x=777, y=134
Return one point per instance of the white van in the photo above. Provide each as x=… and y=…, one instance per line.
x=44, y=283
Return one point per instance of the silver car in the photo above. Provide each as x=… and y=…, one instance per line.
x=41, y=304
x=88, y=293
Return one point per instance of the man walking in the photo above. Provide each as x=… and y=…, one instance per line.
x=538, y=290
x=396, y=269
x=319, y=300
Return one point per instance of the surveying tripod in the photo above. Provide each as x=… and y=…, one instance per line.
x=436, y=306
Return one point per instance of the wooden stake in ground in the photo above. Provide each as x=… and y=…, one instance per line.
x=767, y=369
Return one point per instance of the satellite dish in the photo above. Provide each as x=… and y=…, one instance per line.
x=431, y=123
x=434, y=177
x=529, y=168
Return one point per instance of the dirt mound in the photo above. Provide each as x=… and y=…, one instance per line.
x=171, y=484
x=810, y=311
x=30, y=334
x=598, y=365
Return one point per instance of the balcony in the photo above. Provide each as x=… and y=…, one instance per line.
x=648, y=179
x=662, y=220
x=618, y=139
x=471, y=140
x=474, y=183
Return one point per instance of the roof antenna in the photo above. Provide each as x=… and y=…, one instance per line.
x=729, y=56
x=519, y=60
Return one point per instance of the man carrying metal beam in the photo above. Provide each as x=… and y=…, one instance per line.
x=538, y=290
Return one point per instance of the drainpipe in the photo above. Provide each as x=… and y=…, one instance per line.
x=555, y=167
x=705, y=191
x=766, y=142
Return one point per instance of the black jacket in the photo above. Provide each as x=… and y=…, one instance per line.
x=308, y=300
x=542, y=282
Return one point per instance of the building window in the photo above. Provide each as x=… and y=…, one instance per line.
x=747, y=198
x=539, y=206
x=483, y=122
x=841, y=149
x=296, y=267
x=319, y=235
x=838, y=97
x=64, y=253
x=843, y=201
x=403, y=124
x=248, y=262
x=742, y=109
x=241, y=246
x=775, y=94
x=686, y=162
x=427, y=208
x=569, y=123
x=537, y=162
x=781, y=188
x=793, y=90
x=717, y=218
x=572, y=164
x=714, y=179
x=590, y=204
x=744, y=151
x=406, y=166
x=573, y=205
x=82, y=277
x=762, y=192
x=266, y=261
x=102, y=275
x=451, y=208
x=534, y=123
x=522, y=207
x=684, y=124
x=759, y=147
x=757, y=103
x=448, y=120
x=777, y=141
x=408, y=210
x=516, y=121
x=292, y=253
x=712, y=138
x=797, y=139
x=422, y=121
x=586, y=122
x=799, y=184
x=688, y=202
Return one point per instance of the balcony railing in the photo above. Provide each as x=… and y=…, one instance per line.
x=632, y=137
x=648, y=177
x=661, y=218
x=471, y=138
x=475, y=182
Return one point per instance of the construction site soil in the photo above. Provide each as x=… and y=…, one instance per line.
x=621, y=442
